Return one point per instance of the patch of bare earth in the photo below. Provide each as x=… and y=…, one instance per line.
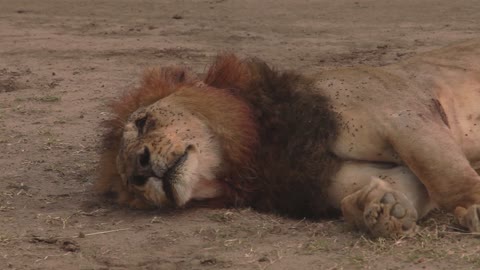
x=61, y=61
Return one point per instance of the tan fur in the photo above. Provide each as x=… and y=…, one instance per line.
x=422, y=116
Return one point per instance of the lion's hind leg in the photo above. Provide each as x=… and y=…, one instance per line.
x=380, y=210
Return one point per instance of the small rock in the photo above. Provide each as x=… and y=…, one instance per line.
x=40, y=239
x=210, y=261
x=69, y=245
x=177, y=17
x=263, y=259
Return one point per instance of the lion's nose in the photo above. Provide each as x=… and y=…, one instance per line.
x=143, y=158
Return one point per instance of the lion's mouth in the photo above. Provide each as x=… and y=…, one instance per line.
x=171, y=177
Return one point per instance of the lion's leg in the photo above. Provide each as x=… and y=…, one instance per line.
x=384, y=207
x=435, y=157
x=469, y=217
x=380, y=210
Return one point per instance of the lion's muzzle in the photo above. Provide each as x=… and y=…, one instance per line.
x=166, y=176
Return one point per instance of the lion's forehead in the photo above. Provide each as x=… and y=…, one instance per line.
x=171, y=125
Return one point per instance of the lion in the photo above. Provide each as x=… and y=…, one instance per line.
x=382, y=146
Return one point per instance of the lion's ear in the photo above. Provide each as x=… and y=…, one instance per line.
x=228, y=72
x=156, y=84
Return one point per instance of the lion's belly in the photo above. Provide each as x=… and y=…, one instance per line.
x=361, y=139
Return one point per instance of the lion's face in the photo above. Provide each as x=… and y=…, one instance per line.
x=167, y=152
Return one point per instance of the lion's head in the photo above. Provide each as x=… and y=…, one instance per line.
x=173, y=139
x=167, y=149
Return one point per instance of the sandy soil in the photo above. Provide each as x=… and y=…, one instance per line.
x=60, y=61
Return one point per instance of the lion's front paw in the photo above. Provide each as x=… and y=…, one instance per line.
x=469, y=218
x=390, y=215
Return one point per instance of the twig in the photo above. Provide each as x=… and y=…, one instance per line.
x=296, y=224
x=457, y=229
x=104, y=232
x=463, y=233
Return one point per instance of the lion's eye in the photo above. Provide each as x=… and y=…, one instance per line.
x=140, y=124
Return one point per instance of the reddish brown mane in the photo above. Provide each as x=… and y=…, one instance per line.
x=229, y=72
x=292, y=166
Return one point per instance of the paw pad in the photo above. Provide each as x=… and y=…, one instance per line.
x=398, y=211
x=388, y=198
x=392, y=214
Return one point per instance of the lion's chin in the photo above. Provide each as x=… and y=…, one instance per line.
x=174, y=194
x=182, y=191
x=153, y=192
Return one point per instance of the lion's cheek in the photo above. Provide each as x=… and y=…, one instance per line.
x=182, y=192
x=185, y=181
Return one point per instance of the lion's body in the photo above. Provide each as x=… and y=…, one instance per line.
x=377, y=105
x=385, y=145
x=442, y=85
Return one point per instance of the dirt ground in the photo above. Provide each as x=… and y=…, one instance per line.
x=61, y=61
